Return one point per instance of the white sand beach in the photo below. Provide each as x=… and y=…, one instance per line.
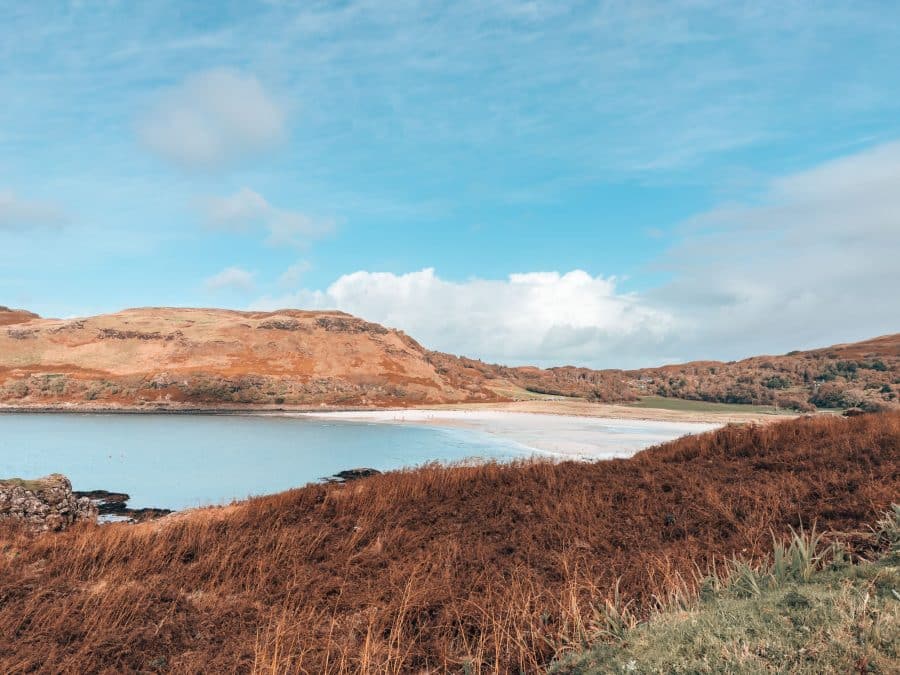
x=567, y=435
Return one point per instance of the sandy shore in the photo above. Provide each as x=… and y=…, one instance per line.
x=545, y=406
x=576, y=436
x=581, y=408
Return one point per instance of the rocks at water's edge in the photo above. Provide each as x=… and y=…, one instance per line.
x=44, y=504
x=351, y=474
x=115, y=505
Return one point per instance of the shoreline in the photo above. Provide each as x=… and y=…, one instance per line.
x=557, y=407
x=563, y=436
x=558, y=429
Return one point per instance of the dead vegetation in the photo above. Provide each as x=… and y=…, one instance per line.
x=493, y=568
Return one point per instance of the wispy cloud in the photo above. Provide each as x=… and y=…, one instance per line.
x=231, y=278
x=813, y=261
x=19, y=214
x=292, y=276
x=213, y=119
x=246, y=211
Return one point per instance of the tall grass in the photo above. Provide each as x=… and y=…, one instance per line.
x=806, y=610
x=492, y=568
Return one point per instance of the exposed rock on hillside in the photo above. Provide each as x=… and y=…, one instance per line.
x=44, y=504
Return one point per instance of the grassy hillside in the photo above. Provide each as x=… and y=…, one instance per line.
x=809, y=611
x=491, y=568
x=177, y=357
x=863, y=374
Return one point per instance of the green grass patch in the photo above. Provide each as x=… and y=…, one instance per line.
x=808, y=611
x=32, y=485
x=664, y=403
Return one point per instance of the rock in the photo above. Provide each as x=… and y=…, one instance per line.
x=44, y=504
x=116, y=504
x=352, y=474
x=281, y=324
x=349, y=324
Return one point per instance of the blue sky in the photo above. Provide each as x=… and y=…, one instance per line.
x=597, y=183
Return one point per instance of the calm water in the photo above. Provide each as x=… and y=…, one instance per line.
x=178, y=461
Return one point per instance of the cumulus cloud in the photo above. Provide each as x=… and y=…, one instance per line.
x=231, y=278
x=540, y=317
x=212, y=119
x=18, y=214
x=246, y=211
x=813, y=262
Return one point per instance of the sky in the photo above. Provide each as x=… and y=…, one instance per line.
x=610, y=184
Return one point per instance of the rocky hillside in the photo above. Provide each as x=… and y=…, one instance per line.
x=169, y=357
x=186, y=357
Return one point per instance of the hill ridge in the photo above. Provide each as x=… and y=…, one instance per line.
x=171, y=357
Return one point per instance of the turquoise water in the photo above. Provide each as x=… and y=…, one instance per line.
x=179, y=461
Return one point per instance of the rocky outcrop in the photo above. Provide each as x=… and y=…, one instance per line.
x=114, y=505
x=349, y=324
x=44, y=504
x=280, y=324
x=352, y=474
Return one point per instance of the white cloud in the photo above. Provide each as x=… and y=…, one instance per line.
x=211, y=119
x=17, y=214
x=231, y=278
x=292, y=275
x=537, y=317
x=812, y=263
x=246, y=211
x=815, y=262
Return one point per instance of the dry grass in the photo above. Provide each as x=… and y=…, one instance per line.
x=808, y=610
x=480, y=569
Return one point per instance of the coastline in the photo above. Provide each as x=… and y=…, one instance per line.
x=554, y=406
x=554, y=428
x=564, y=436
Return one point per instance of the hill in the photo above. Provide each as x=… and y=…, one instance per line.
x=177, y=358
x=862, y=374
x=173, y=357
x=490, y=568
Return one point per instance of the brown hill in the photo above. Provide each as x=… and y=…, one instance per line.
x=492, y=569
x=166, y=357
x=10, y=316
x=862, y=374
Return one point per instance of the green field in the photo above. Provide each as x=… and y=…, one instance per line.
x=663, y=403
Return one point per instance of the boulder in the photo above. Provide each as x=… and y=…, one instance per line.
x=45, y=503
